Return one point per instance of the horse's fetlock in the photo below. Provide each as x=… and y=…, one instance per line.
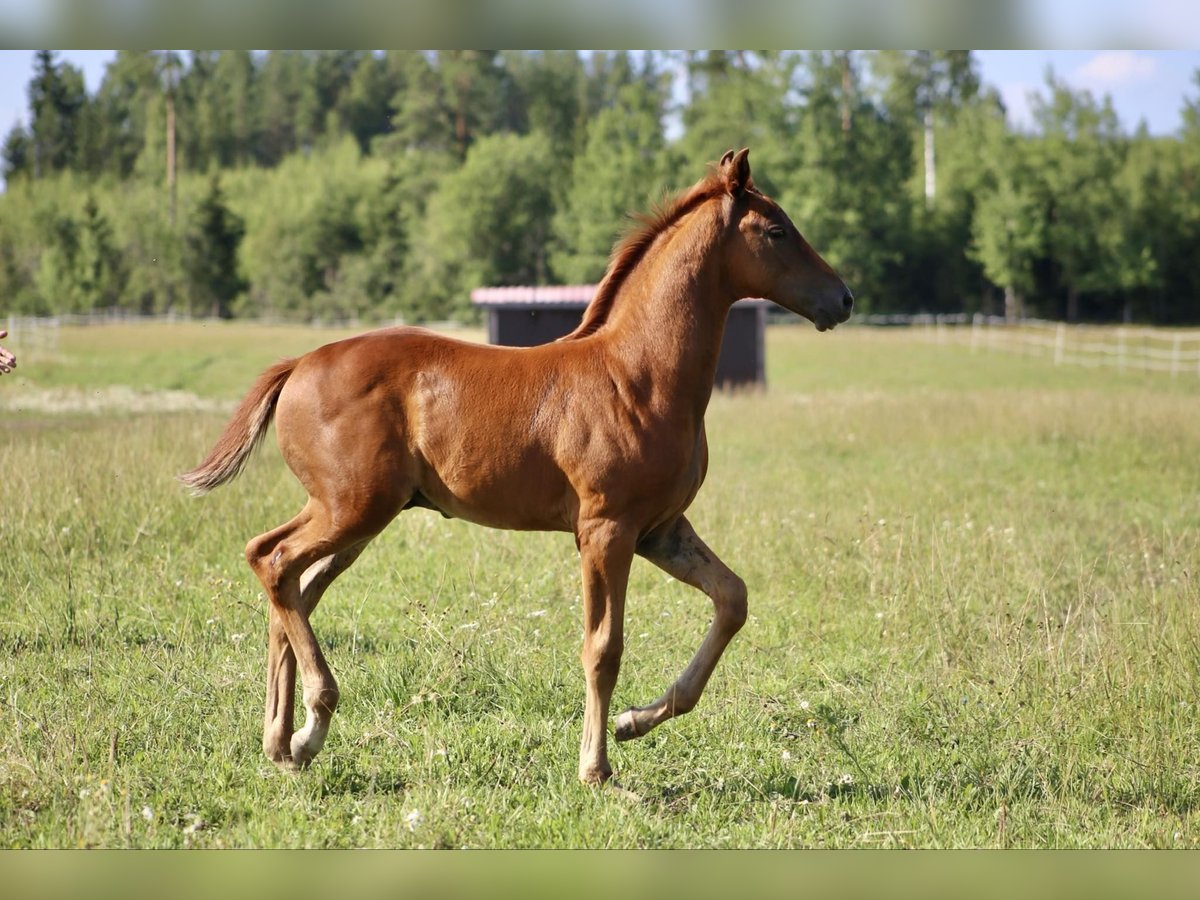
x=325, y=698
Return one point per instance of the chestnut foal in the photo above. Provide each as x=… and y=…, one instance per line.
x=600, y=434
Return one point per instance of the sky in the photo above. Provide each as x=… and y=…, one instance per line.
x=1145, y=85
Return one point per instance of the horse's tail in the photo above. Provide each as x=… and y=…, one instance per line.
x=243, y=433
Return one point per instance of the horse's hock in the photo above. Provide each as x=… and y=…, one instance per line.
x=525, y=316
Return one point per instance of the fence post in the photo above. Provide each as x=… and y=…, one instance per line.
x=1060, y=339
x=1175, y=355
x=975, y=331
x=1120, y=349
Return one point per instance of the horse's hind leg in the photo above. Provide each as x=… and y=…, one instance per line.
x=680, y=552
x=296, y=563
x=281, y=660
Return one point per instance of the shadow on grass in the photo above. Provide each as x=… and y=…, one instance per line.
x=346, y=778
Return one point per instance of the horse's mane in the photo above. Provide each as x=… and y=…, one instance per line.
x=630, y=249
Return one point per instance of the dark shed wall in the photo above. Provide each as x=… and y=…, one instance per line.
x=528, y=327
x=742, y=361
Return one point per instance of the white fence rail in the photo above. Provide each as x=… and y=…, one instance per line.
x=1126, y=348
x=1122, y=347
x=31, y=337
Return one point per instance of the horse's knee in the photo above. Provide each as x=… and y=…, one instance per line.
x=602, y=656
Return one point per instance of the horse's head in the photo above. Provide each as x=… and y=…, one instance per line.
x=769, y=258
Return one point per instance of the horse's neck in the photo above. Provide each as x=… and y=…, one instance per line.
x=668, y=321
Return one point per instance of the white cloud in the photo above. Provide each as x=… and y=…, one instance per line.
x=1115, y=69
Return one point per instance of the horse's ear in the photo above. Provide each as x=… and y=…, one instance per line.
x=735, y=170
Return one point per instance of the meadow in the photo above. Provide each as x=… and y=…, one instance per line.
x=973, y=620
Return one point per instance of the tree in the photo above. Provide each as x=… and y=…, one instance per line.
x=99, y=266
x=923, y=86
x=1008, y=231
x=210, y=255
x=364, y=107
x=17, y=154
x=237, y=82
x=57, y=280
x=619, y=171
x=843, y=193
x=472, y=88
x=130, y=81
x=740, y=101
x=548, y=91
x=56, y=99
x=487, y=224
x=279, y=80
x=1078, y=157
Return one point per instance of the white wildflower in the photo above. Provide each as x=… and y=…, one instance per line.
x=196, y=824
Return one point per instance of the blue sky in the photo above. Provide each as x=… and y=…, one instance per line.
x=1144, y=84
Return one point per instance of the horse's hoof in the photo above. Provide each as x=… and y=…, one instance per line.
x=625, y=728
x=594, y=775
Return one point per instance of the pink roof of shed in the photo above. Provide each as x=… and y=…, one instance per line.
x=544, y=295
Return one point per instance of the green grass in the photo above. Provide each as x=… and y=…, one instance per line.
x=974, y=621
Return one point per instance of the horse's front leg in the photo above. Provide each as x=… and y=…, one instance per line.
x=606, y=552
x=678, y=551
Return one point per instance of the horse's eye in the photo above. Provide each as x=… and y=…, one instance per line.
x=775, y=232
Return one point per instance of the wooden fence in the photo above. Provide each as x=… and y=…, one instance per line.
x=1126, y=348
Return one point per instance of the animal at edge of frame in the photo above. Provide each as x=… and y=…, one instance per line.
x=600, y=434
x=8, y=360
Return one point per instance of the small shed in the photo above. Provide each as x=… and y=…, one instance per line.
x=526, y=316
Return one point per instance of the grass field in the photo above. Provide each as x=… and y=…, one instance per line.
x=974, y=621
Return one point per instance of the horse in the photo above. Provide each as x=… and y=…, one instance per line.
x=600, y=434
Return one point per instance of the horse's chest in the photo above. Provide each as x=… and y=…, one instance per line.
x=660, y=471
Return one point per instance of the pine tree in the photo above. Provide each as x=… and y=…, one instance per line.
x=17, y=154
x=56, y=98
x=98, y=265
x=130, y=81
x=210, y=256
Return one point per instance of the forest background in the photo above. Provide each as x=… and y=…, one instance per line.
x=375, y=186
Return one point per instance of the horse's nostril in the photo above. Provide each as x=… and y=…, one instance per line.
x=848, y=301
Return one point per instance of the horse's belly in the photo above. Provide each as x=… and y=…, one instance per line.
x=529, y=498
